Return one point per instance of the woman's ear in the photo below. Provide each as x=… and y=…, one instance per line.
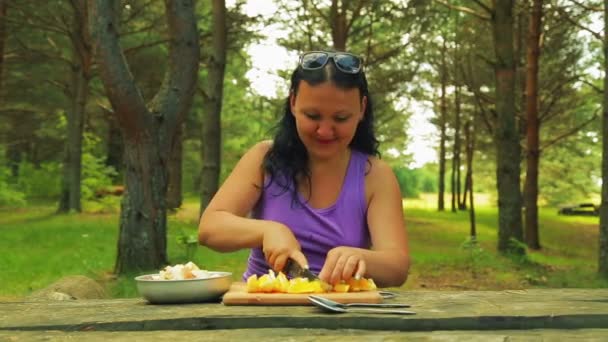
x=292, y=102
x=363, y=107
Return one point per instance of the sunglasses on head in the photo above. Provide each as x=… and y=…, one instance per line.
x=344, y=61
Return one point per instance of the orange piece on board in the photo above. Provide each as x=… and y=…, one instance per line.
x=341, y=287
x=279, y=283
x=252, y=283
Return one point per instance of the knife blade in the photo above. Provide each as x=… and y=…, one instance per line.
x=293, y=270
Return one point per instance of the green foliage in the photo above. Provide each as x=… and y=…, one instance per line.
x=412, y=182
x=517, y=251
x=9, y=194
x=191, y=167
x=581, y=157
x=476, y=253
x=189, y=242
x=38, y=182
x=95, y=174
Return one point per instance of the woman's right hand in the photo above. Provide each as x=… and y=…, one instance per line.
x=279, y=244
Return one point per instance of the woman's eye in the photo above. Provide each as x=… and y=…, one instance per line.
x=341, y=118
x=312, y=116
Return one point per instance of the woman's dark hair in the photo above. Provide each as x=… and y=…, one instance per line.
x=287, y=159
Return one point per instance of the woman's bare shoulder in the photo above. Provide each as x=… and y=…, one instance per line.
x=262, y=147
x=258, y=151
x=378, y=174
x=377, y=167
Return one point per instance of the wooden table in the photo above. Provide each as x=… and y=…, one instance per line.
x=554, y=314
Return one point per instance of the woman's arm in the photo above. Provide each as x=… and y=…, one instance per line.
x=224, y=226
x=387, y=262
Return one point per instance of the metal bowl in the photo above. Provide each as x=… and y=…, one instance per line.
x=183, y=291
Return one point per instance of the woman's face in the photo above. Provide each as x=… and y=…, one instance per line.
x=326, y=117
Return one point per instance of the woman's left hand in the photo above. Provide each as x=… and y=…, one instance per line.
x=343, y=263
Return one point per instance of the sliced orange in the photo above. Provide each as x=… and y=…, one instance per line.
x=252, y=283
x=341, y=287
x=272, y=282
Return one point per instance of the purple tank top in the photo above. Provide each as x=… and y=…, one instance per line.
x=318, y=230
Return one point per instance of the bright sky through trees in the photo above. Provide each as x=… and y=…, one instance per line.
x=268, y=57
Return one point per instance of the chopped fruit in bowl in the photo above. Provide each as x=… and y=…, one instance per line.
x=183, y=284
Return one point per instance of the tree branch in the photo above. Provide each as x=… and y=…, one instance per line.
x=136, y=12
x=391, y=53
x=42, y=53
x=126, y=99
x=478, y=96
x=356, y=14
x=464, y=10
x=556, y=92
x=565, y=15
x=140, y=30
x=484, y=6
x=175, y=95
x=135, y=49
x=569, y=133
x=319, y=12
x=65, y=89
x=203, y=93
x=30, y=18
x=593, y=86
x=47, y=28
x=587, y=8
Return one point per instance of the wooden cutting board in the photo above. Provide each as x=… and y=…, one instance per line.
x=238, y=295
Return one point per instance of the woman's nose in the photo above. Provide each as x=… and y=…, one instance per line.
x=325, y=130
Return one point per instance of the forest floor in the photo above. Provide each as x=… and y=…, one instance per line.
x=39, y=247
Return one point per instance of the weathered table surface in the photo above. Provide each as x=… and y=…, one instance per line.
x=555, y=314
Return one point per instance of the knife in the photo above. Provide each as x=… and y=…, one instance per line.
x=293, y=270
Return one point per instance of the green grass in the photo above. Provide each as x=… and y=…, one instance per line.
x=568, y=257
x=39, y=247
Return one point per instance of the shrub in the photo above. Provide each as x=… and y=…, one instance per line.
x=9, y=194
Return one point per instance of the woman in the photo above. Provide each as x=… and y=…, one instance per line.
x=317, y=193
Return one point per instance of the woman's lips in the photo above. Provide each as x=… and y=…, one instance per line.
x=325, y=141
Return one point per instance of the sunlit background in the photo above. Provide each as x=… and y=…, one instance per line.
x=268, y=57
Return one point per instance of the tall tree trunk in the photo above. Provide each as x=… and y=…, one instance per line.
x=470, y=149
x=603, y=238
x=453, y=184
x=442, y=129
x=457, y=204
x=339, y=25
x=79, y=91
x=148, y=133
x=506, y=137
x=3, y=35
x=13, y=156
x=72, y=165
x=115, y=148
x=174, y=188
x=212, y=126
x=460, y=198
x=532, y=127
x=14, y=147
x=456, y=156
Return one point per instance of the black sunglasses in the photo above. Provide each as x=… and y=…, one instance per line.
x=344, y=61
